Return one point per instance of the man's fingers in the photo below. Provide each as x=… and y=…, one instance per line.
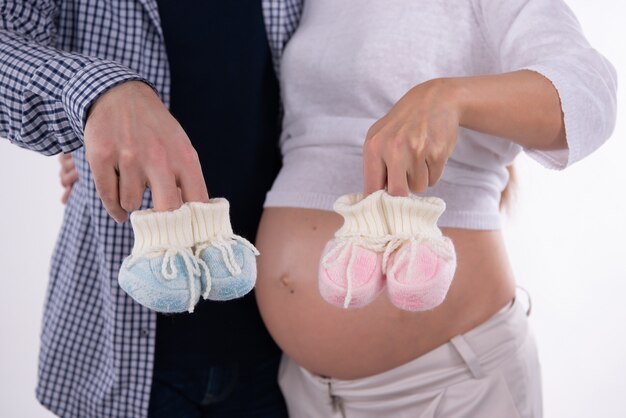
x=165, y=194
x=130, y=129
x=131, y=185
x=191, y=183
x=106, y=181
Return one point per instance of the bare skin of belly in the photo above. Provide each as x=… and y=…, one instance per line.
x=351, y=344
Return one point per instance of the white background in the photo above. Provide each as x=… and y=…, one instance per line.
x=566, y=241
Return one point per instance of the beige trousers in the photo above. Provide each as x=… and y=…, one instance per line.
x=492, y=371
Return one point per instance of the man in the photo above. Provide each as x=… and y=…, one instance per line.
x=93, y=78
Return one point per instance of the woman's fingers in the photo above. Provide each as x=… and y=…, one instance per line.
x=414, y=139
x=397, y=179
x=374, y=169
x=401, y=165
x=68, y=178
x=418, y=176
x=67, y=163
x=65, y=160
x=66, y=195
x=68, y=175
x=435, y=169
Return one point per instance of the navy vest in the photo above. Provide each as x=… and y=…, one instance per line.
x=224, y=93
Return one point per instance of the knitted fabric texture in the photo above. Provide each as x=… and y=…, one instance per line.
x=230, y=259
x=162, y=272
x=210, y=221
x=362, y=217
x=421, y=262
x=392, y=238
x=155, y=230
x=412, y=216
x=350, y=273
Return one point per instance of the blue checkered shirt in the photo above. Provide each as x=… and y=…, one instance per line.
x=56, y=58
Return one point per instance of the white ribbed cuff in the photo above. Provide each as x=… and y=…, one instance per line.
x=362, y=216
x=210, y=220
x=154, y=229
x=413, y=215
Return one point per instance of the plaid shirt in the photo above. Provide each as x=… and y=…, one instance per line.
x=56, y=58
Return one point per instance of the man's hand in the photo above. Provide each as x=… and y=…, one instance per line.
x=132, y=141
x=68, y=175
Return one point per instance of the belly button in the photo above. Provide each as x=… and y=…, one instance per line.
x=284, y=280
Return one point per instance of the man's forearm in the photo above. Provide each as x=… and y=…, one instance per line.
x=45, y=93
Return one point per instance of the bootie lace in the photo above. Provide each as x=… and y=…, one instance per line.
x=169, y=270
x=228, y=256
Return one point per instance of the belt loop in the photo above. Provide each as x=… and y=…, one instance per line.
x=336, y=402
x=530, y=302
x=468, y=356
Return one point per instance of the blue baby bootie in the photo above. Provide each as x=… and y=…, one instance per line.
x=162, y=272
x=228, y=261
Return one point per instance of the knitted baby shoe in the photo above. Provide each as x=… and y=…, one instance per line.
x=230, y=260
x=420, y=272
x=350, y=273
x=162, y=273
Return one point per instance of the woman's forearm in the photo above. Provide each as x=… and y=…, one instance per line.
x=407, y=148
x=522, y=106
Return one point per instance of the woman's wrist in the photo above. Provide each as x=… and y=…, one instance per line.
x=522, y=106
x=454, y=93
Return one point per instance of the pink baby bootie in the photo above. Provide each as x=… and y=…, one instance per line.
x=350, y=273
x=419, y=261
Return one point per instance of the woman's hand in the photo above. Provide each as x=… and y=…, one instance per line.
x=408, y=148
x=68, y=175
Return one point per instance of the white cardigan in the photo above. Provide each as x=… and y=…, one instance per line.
x=349, y=61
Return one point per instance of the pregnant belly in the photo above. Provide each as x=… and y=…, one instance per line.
x=349, y=344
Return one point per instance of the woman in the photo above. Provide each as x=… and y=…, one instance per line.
x=430, y=97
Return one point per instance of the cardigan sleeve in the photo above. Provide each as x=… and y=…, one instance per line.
x=544, y=36
x=45, y=93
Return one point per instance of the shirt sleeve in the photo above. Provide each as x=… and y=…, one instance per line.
x=544, y=36
x=45, y=93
